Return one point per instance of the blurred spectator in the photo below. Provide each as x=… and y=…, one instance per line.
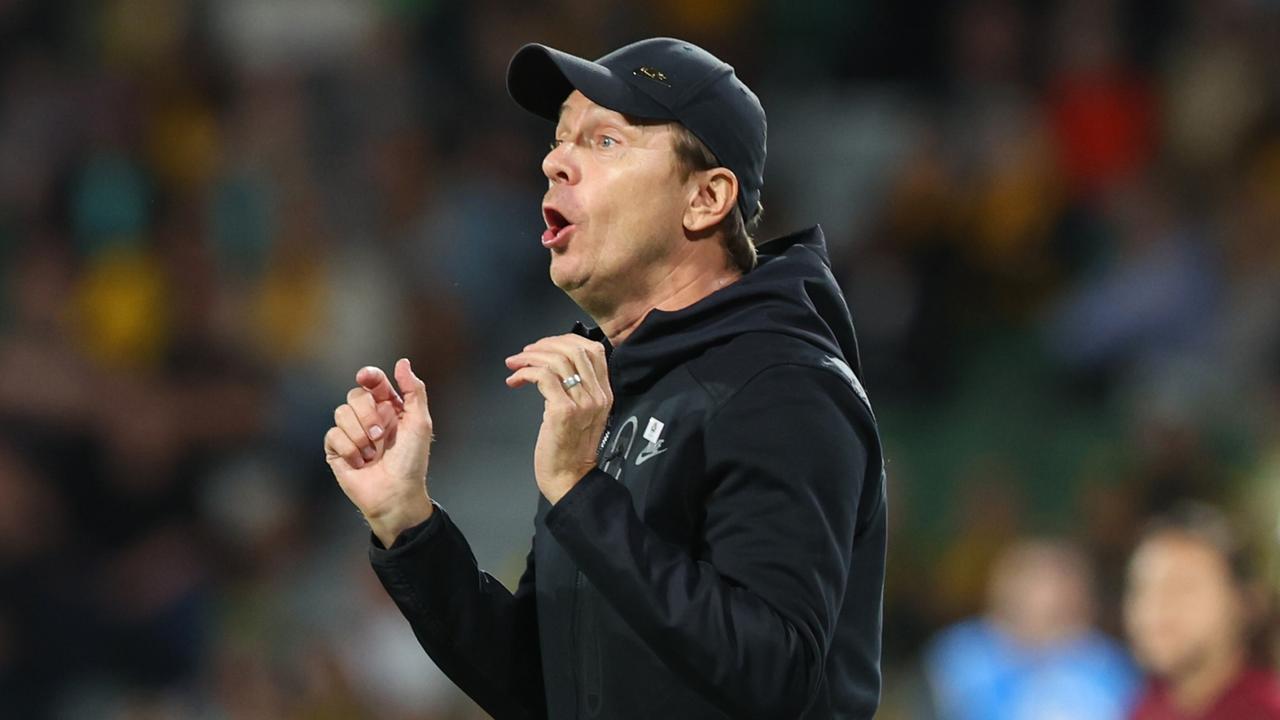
x=1150, y=302
x=1034, y=654
x=1196, y=618
x=1214, y=92
x=1102, y=108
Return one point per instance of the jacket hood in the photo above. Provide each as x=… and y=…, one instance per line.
x=791, y=291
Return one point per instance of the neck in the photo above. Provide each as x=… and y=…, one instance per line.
x=1195, y=690
x=683, y=286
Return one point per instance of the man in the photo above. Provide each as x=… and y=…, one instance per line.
x=1191, y=610
x=711, y=534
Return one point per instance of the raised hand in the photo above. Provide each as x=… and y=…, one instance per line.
x=379, y=448
x=573, y=418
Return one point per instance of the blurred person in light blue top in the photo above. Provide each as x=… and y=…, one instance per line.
x=1034, y=654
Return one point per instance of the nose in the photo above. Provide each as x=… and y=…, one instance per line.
x=559, y=166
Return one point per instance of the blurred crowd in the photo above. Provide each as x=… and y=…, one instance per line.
x=1057, y=225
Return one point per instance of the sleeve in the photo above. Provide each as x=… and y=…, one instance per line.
x=750, y=617
x=481, y=635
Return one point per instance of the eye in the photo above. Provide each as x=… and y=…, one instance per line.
x=555, y=143
x=607, y=142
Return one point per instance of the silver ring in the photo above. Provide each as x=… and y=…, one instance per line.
x=572, y=381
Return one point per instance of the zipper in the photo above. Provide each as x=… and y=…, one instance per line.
x=587, y=681
x=583, y=676
x=608, y=423
x=604, y=438
x=589, y=700
x=574, y=629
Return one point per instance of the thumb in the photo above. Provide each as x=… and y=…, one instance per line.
x=412, y=388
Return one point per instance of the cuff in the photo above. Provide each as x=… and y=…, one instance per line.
x=409, y=537
x=584, y=502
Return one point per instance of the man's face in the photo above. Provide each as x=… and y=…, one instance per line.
x=1181, y=605
x=615, y=205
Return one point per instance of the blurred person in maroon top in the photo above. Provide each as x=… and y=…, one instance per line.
x=1195, y=617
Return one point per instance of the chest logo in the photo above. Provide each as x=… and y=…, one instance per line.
x=653, y=434
x=616, y=456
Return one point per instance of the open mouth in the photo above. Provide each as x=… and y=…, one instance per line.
x=558, y=227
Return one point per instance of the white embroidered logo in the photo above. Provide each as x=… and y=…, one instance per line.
x=652, y=433
x=846, y=372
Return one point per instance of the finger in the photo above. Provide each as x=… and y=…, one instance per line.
x=337, y=446
x=345, y=418
x=362, y=402
x=585, y=370
x=593, y=353
x=569, y=345
x=414, y=392
x=591, y=378
x=375, y=381
x=554, y=361
x=387, y=415
x=581, y=352
x=559, y=367
x=548, y=384
x=599, y=361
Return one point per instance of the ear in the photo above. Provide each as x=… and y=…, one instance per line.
x=712, y=195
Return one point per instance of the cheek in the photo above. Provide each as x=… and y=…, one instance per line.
x=630, y=212
x=647, y=190
x=1217, y=613
x=1168, y=621
x=1154, y=618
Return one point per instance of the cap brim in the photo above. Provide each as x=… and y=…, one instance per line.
x=540, y=78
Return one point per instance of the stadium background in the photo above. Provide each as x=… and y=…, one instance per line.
x=1057, y=224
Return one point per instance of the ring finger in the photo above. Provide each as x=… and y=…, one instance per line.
x=555, y=362
x=580, y=356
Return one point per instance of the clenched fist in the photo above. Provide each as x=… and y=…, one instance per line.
x=379, y=448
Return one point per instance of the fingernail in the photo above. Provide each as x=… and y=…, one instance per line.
x=359, y=463
x=368, y=453
x=375, y=432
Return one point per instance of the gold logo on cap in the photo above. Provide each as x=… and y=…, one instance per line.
x=651, y=73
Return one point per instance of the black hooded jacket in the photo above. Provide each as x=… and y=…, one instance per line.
x=725, y=559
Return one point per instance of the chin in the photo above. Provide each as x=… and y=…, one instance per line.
x=566, y=280
x=1167, y=662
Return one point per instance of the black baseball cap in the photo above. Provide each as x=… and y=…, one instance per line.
x=655, y=79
